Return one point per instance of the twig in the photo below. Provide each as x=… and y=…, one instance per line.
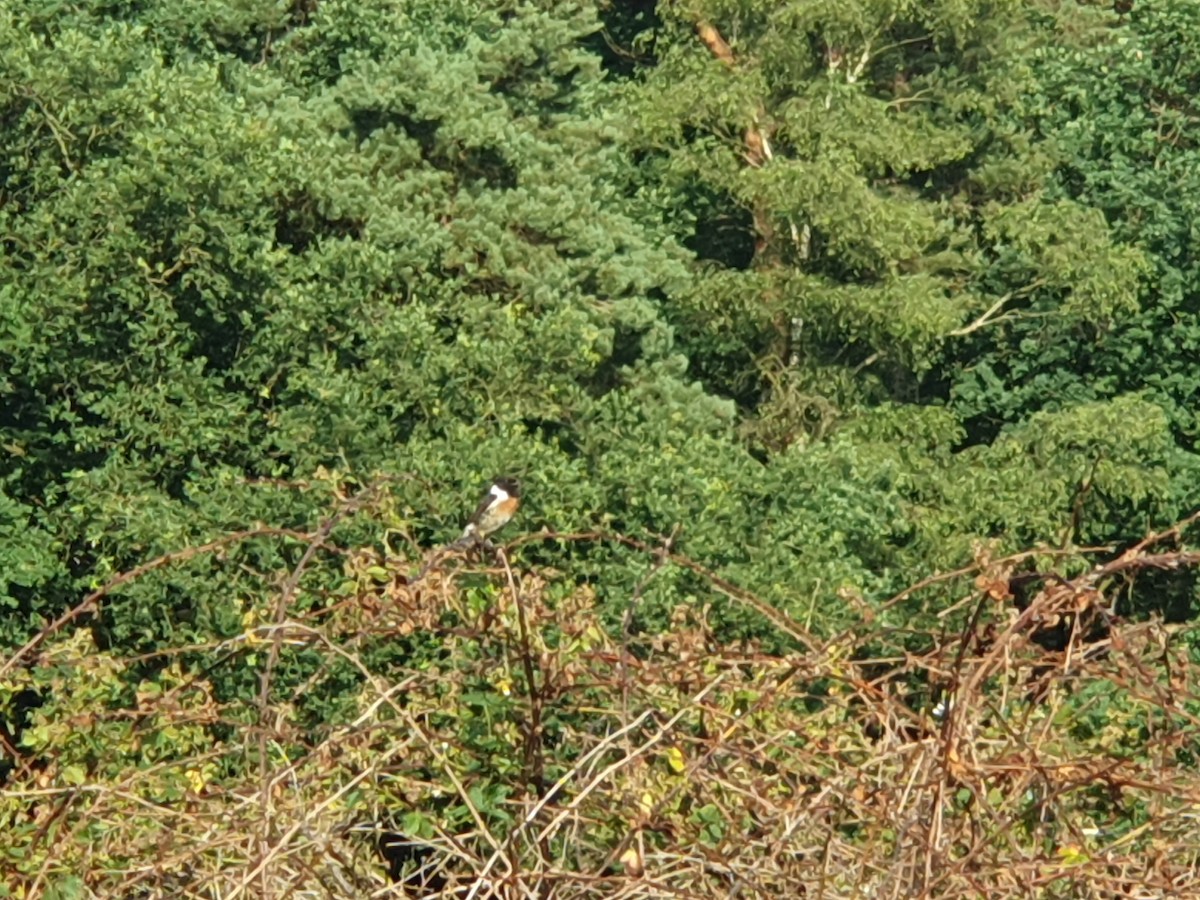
x=88, y=604
x=989, y=316
x=280, y=613
x=778, y=618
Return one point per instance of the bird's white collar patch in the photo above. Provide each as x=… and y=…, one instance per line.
x=499, y=493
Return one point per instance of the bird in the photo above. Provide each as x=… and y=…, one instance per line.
x=495, y=510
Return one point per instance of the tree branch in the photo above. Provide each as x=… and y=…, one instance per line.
x=991, y=315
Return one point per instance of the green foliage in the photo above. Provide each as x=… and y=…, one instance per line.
x=89, y=721
x=1118, y=112
x=411, y=255
x=824, y=298
x=905, y=218
x=659, y=742
x=836, y=130
x=418, y=240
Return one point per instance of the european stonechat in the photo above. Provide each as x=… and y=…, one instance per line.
x=496, y=508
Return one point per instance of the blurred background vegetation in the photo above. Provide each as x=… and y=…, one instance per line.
x=776, y=307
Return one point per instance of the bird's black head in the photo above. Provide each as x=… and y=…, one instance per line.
x=510, y=486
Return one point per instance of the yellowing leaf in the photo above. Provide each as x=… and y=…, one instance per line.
x=632, y=860
x=676, y=760
x=646, y=803
x=1072, y=855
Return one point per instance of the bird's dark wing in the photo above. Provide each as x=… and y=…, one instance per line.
x=487, y=501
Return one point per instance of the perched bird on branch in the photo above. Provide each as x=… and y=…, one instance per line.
x=495, y=510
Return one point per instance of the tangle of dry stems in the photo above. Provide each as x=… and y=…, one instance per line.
x=657, y=766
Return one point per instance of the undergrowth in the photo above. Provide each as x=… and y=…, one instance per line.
x=496, y=739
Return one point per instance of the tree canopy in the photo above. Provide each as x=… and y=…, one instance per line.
x=776, y=307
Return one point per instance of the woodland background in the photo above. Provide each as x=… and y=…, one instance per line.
x=847, y=352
